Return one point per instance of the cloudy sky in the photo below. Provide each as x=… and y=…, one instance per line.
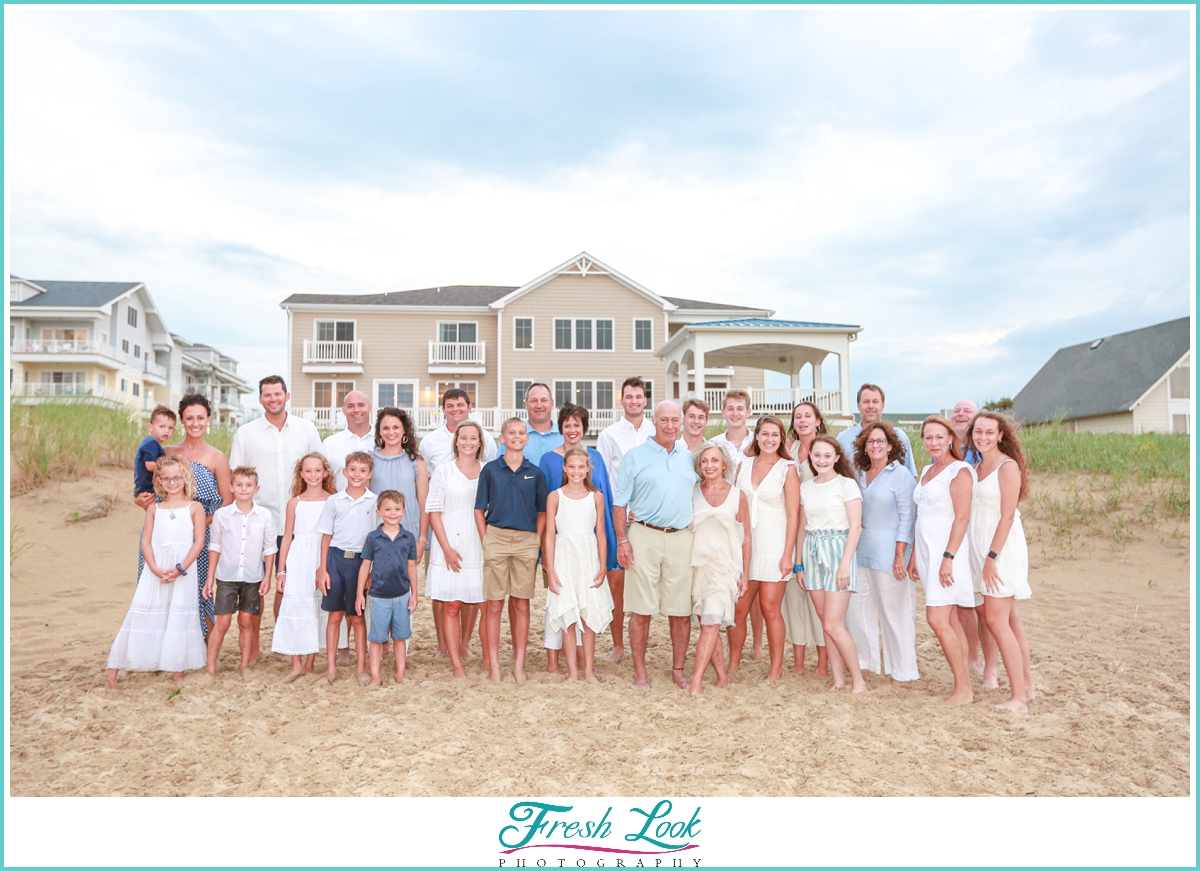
x=976, y=187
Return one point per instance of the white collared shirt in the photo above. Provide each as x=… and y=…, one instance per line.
x=243, y=541
x=339, y=445
x=617, y=440
x=738, y=452
x=438, y=447
x=348, y=520
x=273, y=454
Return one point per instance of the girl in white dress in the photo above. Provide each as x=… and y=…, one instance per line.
x=298, y=630
x=721, y=548
x=799, y=614
x=455, y=573
x=943, y=497
x=574, y=554
x=768, y=478
x=999, y=553
x=162, y=631
x=831, y=524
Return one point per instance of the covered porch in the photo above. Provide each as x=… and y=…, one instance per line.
x=702, y=350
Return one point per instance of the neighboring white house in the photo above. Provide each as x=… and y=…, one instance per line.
x=1133, y=382
x=204, y=369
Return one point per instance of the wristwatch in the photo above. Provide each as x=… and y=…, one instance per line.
x=992, y=554
x=947, y=554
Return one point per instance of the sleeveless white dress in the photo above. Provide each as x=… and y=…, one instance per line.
x=935, y=518
x=162, y=631
x=1012, y=563
x=716, y=558
x=298, y=627
x=576, y=563
x=453, y=494
x=768, y=519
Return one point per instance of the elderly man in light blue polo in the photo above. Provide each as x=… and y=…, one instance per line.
x=655, y=487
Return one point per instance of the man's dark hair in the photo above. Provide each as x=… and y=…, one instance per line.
x=455, y=393
x=272, y=379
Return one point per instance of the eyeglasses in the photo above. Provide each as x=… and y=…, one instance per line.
x=178, y=479
x=876, y=443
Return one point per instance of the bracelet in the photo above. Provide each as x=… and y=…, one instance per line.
x=281, y=572
x=179, y=568
x=619, y=543
x=947, y=554
x=798, y=567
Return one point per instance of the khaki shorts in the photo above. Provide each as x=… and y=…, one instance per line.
x=660, y=581
x=509, y=563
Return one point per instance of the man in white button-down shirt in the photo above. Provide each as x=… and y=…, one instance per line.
x=437, y=447
x=272, y=445
x=614, y=442
x=359, y=435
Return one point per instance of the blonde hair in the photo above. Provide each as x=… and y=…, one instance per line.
x=736, y=393
x=189, y=479
x=579, y=451
x=955, y=448
x=696, y=403
x=726, y=458
x=458, y=432
x=244, y=472
x=328, y=484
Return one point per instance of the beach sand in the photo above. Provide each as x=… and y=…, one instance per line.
x=1109, y=632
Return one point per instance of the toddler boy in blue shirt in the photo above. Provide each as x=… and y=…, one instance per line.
x=161, y=427
x=389, y=567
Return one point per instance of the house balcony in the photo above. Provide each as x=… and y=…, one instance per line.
x=333, y=357
x=154, y=373
x=457, y=358
x=65, y=350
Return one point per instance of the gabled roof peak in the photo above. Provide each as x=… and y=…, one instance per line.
x=584, y=264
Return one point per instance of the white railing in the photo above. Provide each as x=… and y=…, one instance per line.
x=332, y=352
x=62, y=346
x=324, y=418
x=426, y=420
x=38, y=388
x=780, y=400
x=155, y=369
x=457, y=353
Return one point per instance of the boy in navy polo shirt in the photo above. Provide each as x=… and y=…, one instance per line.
x=161, y=427
x=510, y=513
x=389, y=563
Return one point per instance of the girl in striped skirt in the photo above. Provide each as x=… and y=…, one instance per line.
x=830, y=526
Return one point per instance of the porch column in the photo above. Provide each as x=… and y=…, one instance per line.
x=816, y=375
x=844, y=378
x=698, y=369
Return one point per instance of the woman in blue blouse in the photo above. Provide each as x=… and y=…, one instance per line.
x=885, y=594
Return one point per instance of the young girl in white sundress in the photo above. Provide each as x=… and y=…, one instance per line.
x=999, y=553
x=721, y=549
x=162, y=630
x=943, y=497
x=830, y=526
x=298, y=627
x=574, y=554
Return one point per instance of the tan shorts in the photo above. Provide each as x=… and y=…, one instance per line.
x=509, y=563
x=660, y=581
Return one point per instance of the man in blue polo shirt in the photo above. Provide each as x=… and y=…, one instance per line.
x=655, y=485
x=543, y=434
x=510, y=512
x=870, y=410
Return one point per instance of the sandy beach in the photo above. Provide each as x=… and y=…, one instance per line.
x=1110, y=640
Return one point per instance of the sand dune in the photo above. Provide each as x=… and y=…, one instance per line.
x=1110, y=635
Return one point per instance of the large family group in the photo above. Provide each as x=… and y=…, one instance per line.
x=819, y=540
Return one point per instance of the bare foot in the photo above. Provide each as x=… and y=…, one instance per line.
x=860, y=688
x=124, y=672
x=960, y=697
x=458, y=672
x=399, y=677
x=973, y=667
x=697, y=693
x=822, y=671
x=328, y=679
x=798, y=669
x=441, y=654
x=642, y=683
x=616, y=655
x=773, y=676
x=343, y=656
x=519, y=674
x=494, y=674
x=363, y=678
x=680, y=681
x=756, y=653
x=1014, y=705
x=110, y=679
x=569, y=679
x=283, y=657
x=466, y=654
x=836, y=686
x=991, y=681
x=1030, y=693
x=254, y=657
x=591, y=678
x=177, y=677
x=373, y=683
x=291, y=676
x=723, y=681
x=553, y=669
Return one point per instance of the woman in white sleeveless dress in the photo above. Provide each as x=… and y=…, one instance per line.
x=768, y=478
x=574, y=553
x=455, y=573
x=999, y=553
x=720, y=556
x=943, y=498
x=800, y=617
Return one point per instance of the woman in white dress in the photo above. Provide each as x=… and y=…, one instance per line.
x=999, y=553
x=456, y=557
x=574, y=553
x=799, y=614
x=298, y=630
x=768, y=478
x=943, y=497
x=721, y=548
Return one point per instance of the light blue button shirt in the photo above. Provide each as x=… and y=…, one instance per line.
x=656, y=485
x=888, y=516
x=539, y=442
x=847, y=436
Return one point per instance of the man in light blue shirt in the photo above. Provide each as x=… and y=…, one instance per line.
x=870, y=410
x=654, y=486
x=543, y=434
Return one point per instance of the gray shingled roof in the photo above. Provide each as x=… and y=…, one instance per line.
x=459, y=295
x=76, y=294
x=709, y=306
x=1079, y=381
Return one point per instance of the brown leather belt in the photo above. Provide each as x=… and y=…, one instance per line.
x=659, y=528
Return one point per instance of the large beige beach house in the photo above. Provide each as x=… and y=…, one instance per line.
x=582, y=328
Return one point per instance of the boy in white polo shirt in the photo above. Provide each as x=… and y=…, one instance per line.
x=345, y=521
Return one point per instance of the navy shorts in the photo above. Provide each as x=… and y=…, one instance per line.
x=343, y=583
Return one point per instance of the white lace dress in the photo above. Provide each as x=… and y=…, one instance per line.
x=162, y=631
x=716, y=558
x=453, y=495
x=576, y=563
x=768, y=519
x=298, y=627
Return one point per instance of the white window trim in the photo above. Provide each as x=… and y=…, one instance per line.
x=650, y=397
x=554, y=335
x=439, y=331
x=575, y=382
x=531, y=380
x=574, y=338
x=616, y=400
x=612, y=321
x=334, y=321
x=416, y=388
x=633, y=341
x=332, y=381
x=532, y=333
x=1170, y=394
